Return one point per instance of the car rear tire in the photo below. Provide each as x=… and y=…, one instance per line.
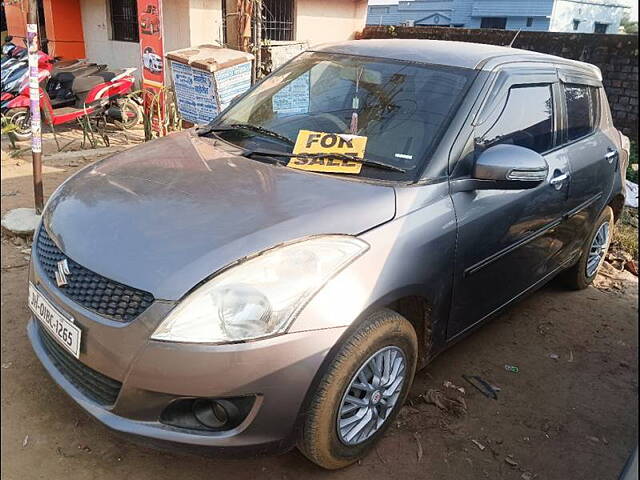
x=350, y=394
x=582, y=274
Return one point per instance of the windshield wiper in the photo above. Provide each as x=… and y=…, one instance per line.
x=338, y=156
x=244, y=126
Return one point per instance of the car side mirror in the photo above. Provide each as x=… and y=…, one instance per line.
x=506, y=167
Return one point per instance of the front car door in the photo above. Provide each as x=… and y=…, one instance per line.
x=510, y=240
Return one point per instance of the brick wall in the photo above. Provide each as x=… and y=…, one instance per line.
x=615, y=55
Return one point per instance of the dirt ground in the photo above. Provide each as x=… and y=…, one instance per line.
x=571, y=411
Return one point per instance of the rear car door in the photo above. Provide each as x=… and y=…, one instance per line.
x=511, y=240
x=590, y=145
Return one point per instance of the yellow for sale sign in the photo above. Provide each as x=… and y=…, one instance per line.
x=309, y=142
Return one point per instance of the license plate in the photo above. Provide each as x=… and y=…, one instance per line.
x=60, y=327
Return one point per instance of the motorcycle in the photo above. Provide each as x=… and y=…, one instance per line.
x=62, y=74
x=8, y=46
x=17, y=73
x=12, y=64
x=69, y=90
x=101, y=95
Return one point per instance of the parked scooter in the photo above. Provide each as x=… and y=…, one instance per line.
x=16, y=61
x=18, y=73
x=70, y=89
x=101, y=96
x=8, y=46
x=58, y=85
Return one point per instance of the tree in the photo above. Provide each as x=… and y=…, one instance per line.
x=629, y=27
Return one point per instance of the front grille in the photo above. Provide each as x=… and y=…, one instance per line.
x=96, y=386
x=89, y=289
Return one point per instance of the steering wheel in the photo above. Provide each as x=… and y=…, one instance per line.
x=341, y=125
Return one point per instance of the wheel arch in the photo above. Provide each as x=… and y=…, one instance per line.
x=617, y=205
x=409, y=303
x=418, y=311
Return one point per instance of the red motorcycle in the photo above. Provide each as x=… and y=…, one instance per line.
x=101, y=96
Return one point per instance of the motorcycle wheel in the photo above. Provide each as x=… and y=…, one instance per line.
x=131, y=115
x=21, y=118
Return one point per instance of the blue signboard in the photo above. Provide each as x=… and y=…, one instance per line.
x=294, y=98
x=202, y=95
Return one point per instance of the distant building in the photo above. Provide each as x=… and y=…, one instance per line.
x=107, y=31
x=584, y=16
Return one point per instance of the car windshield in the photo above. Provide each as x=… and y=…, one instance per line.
x=401, y=108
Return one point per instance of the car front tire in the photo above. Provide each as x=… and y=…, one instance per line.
x=582, y=274
x=361, y=392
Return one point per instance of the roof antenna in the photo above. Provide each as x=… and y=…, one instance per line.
x=514, y=38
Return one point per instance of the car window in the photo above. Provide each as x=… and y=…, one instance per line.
x=595, y=106
x=582, y=110
x=526, y=119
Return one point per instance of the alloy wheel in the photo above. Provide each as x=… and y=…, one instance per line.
x=22, y=122
x=371, y=396
x=598, y=249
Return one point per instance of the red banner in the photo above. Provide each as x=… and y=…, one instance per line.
x=152, y=50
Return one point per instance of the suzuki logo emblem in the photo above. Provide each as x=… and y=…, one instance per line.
x=62, y=272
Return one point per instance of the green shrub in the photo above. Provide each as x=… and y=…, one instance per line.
x=632, y=174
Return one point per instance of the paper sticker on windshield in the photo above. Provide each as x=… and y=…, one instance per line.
x=294, y=98
x=309, y=142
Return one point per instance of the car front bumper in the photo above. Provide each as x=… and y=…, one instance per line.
x=277, y=371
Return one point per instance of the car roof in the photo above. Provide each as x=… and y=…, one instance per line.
x=444, y=52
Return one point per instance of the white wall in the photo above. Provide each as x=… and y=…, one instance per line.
x=325, y=21
x=191, y=22
x=175, y=20
x=540, y=24
x=206, y=21
x=566, y=11
x=186, y=23
x=99, y=48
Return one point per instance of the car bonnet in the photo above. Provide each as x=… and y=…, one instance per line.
x=166, y=215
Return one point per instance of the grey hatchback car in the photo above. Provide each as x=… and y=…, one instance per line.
x=223, y=289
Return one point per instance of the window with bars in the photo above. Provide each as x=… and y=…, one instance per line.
x=124, y=20
x=600, y=27
x=277, y=20
x=493, y=22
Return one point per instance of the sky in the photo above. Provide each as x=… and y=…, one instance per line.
x=634, y=9
x=632, y=3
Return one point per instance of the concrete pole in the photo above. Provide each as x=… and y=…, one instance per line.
x=34, y=96
x=258, y=60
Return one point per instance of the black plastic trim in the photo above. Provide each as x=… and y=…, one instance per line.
x=523, y=241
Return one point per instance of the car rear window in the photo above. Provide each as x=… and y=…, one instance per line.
x=582, y=110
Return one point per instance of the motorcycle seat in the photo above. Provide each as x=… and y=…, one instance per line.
x=106, y=75
x=67, y=77
x=86, y=83
x=66, y=64
x=73, y=65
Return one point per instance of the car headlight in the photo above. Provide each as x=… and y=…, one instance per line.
x=261, y=296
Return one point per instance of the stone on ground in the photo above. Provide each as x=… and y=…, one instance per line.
x=21, y=221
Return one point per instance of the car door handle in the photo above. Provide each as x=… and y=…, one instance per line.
x=559, y=179
x=611, y=155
